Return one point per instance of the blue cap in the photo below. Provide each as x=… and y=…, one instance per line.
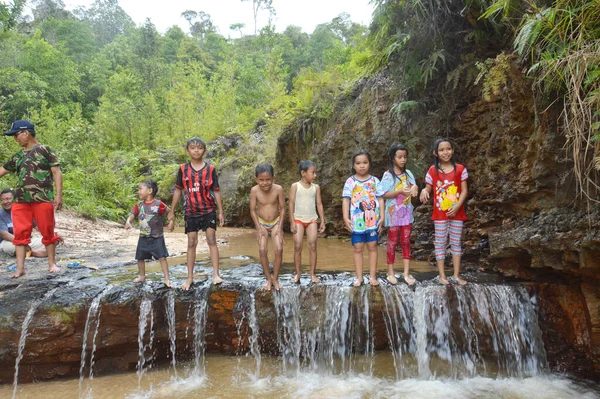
x=17, y=126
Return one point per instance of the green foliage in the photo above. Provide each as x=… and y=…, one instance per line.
x=118, y=102
x=494, y=73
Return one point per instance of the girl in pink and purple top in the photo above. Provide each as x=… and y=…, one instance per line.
x=447, y=181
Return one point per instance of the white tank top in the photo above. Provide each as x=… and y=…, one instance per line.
x=306, y=203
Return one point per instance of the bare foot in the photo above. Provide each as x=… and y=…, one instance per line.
x=167, y=283
x=358, y=282
x=373, y=282
x=54, y=269
x=186, y=286
x=140, y=279
x=410, y=280
x=267, y=286
x=217, y=280
x=296, y=279
x=315, y=279
x=276, y=285
x=444, y=281
x=392, y=279
x=460, y=280
x=17, y=274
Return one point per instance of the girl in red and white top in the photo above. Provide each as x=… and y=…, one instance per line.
x=447, y=181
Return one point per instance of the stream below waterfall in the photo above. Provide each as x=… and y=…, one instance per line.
x=478, y=341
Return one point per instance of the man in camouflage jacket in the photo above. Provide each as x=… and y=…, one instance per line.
x=38, y=171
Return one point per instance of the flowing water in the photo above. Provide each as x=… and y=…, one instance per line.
x=477, y=341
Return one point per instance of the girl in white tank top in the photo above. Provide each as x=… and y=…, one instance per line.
x=305, y=210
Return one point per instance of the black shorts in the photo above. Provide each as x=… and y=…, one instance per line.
x=204, y=222
x=151, y=247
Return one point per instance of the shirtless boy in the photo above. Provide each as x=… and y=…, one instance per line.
x=267, y=208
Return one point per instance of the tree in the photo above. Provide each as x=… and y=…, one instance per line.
x=238, y=27
x=261, y=5
x=9, y=14
x=108, y=20
x=200, y=23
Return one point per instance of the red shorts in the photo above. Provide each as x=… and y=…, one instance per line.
x=305, y=224
x=24, y=213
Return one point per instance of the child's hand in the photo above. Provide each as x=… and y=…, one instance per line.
x=380, y=228
x=171, y=225
x=414, y=190
x=260, y=233
x=452, y=211
x=322, y=227
x=293, y=227
x=348, y=224
x=424, y=197
x=127, y=225
x=406, y=190
x=221, y=219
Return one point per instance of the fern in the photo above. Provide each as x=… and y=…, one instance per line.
x=494, y=74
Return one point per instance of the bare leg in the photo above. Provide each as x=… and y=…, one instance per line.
x=391, y=277
x=211, y=240
x=142, y=271
x=51, y=250
x=312, y=233
x=278, y=248
x=372, y=248
x=358, y=263
x=191, y=259
x=298, y=238
x=409, y=280
x=456, y=265
x=20, y=251
x=40, y=253
x=165, y=268
x=263, y=252
x=440, y=265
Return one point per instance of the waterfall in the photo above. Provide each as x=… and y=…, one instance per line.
x=25, y=333
x=253, y=323
x=170, y=312
x=324, y=328
x=92, y=322
x=463, y=331
x=200, y=315
x=145, y=313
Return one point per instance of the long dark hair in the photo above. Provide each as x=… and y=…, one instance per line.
x=436, y=161
x=393, y=150
x=358, y=153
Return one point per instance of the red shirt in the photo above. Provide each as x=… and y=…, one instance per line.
x=198, y=188
x=446, y=191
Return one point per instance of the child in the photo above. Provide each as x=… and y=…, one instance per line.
x=151, y=243
x=268, y=218
x=202, y=202
x=400, y=186
x=305, y=201
x=362, y=207
x=450, y=181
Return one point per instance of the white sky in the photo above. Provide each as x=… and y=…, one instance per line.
x=304, y=13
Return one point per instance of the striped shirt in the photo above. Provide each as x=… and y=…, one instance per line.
x=198, y=188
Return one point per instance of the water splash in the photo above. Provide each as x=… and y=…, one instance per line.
x=25, y=334
x=92, y=322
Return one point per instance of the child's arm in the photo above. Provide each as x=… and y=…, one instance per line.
x=426, y=193
x=346, y=213
x=129, y=220
x=463, y=196
x=293, y=190
x=171, y=214
x=320, y=210
x=219, y=201
x=260, y=230
x=281, y=199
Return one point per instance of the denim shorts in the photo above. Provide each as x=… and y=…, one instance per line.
x=367, y=236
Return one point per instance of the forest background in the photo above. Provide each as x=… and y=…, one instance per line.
x=118, y=101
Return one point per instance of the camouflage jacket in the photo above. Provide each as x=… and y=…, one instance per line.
x=33, y=169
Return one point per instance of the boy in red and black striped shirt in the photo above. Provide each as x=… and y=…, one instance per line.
x=202, y=202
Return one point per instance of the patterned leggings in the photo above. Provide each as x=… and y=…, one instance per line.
x=443, y=228
x=393, y=233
